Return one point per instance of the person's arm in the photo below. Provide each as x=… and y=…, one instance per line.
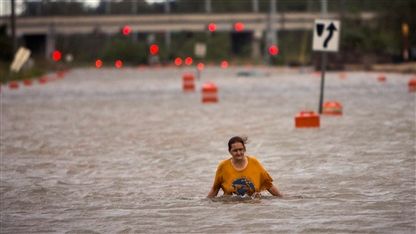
x=213, y=192
x=217, y=183
x=274, y=191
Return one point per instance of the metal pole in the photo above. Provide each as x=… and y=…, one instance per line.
x=13, y=26
x=271, y=37
x=324, y=10
x=167, y=33
x=108, y=7
x=208, y=6
x=255, y=5
x=134, y=7
x=270, y=33
x=167, y=6
x=274, y=30
x=323, y=67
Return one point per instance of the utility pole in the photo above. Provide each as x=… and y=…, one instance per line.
x=134, y=7
x=271, y=37
x=273, y=16
x=255, y=5
x=108, y=7
x=208, y=6
x=167, y=33
x=13, y=25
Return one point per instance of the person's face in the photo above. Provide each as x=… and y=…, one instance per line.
x=237, y=151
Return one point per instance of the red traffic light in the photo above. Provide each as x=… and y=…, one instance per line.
x=56, y=55
x=98, y=63
x=188, y=61
x=224, y=64
x=273, y=50
x=118, y=64
x=212, y=27
x=154, y=49
x=178, y=61
x=126, y=30
x=238, y=26
x=200, y=66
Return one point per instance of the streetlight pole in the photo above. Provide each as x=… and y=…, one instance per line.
x=271, y=31
x=208, y=6
x=167, y=33
x=13, y=25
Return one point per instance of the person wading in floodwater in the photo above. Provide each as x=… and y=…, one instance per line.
x=241, y=174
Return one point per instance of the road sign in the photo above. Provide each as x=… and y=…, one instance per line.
x=200, y=50
x=326, y=35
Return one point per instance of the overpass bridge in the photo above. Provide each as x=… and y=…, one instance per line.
x=167, y=22
x=255, y=23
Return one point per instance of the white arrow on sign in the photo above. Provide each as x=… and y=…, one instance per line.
x=326, y=35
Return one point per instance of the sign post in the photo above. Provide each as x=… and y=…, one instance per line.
x=325, y=39
x=200, y=51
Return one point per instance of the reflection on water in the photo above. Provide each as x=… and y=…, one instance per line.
x=125, y=151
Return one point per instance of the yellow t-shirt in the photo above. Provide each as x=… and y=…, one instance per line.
x=253, y=178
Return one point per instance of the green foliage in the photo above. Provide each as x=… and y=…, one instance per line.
x=126, y=50
x=188, y=6
x=5, y=45
x=26, y=73
x=231, y=6
x=380, y=37
x=218, y=46
x=79, y=44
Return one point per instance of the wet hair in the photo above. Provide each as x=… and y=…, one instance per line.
x=235, y=139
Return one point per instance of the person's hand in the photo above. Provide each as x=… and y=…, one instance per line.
x=256, y=195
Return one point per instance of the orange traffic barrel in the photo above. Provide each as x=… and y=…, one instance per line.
x=307, y=119
x=209, y=93
x=332, y=108
x=13, y=85
x=27, y=82
x=188, y=82
x=381, y=78
x=412, y=85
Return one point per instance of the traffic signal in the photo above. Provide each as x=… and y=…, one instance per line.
x=273, y=50
x=178, y=61
x=98, y=63
x=238, y=27
x=118, y=64
x=212, y=27
x=200, y=66
x=188, y=61
x=224, y=64
x=56, y=55
x=154, y=49
x=126, y=30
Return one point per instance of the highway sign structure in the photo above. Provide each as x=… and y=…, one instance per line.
x=326, y=35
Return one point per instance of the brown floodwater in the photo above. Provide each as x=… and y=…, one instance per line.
x=126, y=151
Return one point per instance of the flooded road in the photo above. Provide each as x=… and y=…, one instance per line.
x=126, y=151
